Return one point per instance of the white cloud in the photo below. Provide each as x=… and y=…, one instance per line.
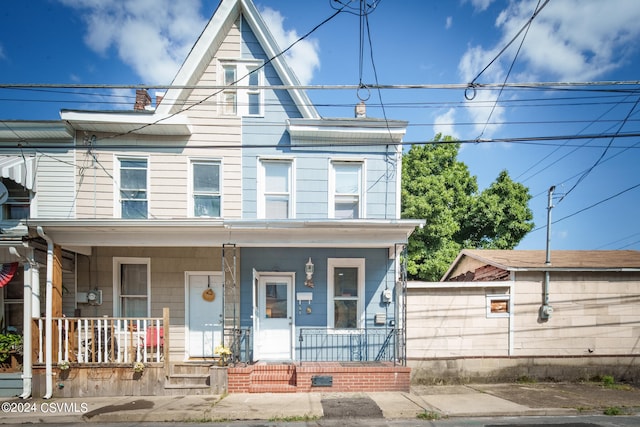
x=303, y=57
x=569, y=40
x=448, y=22
x=444, y=124
x=481, y=5
x=152, y=36
x=155, y=36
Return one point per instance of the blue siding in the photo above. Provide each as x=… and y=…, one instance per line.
x=378, y=274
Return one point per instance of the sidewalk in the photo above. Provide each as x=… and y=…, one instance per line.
x=475, y=400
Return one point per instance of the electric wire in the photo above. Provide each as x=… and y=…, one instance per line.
x=506, y=78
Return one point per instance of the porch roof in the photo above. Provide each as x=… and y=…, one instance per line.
x=357, y=233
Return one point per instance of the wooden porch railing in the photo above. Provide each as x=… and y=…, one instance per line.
x=100, y=340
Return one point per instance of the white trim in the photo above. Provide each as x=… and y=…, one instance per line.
x=190, y=177
x=260, y=276
x=117, y=158
x=358, y=263
x=331, y=208
x=260, y=185
x=242, y=67
x=490, y=298
x=117, y=262
x=187, y=275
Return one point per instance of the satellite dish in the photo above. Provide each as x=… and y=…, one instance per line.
x=4, y=194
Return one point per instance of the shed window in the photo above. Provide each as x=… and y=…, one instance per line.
x=498, y=305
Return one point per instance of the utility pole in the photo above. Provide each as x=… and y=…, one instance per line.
x=546, y=310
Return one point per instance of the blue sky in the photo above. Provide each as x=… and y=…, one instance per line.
x=414, y=42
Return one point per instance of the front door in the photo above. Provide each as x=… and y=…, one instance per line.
x=273, y=318
x=204, y=327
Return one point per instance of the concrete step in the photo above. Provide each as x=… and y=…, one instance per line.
x=191, y=368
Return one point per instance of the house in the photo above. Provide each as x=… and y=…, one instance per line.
x=226, y=213
x=508, y=314
x=35, y=181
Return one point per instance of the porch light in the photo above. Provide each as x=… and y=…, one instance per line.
x=308, y=268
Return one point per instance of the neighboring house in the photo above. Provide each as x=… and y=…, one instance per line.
x=37, y=180
x=228, y=213
x=494, y=316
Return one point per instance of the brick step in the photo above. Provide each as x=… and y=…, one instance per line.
x=272, y=377
x=272, y=388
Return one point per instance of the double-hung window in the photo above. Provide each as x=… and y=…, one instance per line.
x=345, y=293
x=206, y=188
x=242, y=95
x=18, y=202
x=230, y=93
x=133, y=188
x=275, y=183
x=132, y=286
x=345, y=190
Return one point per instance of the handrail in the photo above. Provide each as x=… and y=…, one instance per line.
x=96, y=340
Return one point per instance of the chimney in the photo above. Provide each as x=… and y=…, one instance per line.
x=361, y=110
x=159, y=98
x=142, y=99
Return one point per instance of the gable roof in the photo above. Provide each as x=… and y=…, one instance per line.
x=210, y=40
x=534, y=260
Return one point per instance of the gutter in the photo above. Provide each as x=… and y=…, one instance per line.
x=48, y=315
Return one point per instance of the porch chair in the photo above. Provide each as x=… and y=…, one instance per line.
x=152, y=344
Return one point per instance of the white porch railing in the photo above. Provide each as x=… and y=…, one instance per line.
x=99, y=340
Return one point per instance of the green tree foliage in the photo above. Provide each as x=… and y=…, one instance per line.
x=439, y=188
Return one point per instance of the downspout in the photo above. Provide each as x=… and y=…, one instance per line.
x=48, y=328
x=27, y=348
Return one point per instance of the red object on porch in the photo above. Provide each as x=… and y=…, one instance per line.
x=151, y=338
x=7, y=272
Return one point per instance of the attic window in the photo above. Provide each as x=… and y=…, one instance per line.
x=498, y=305
x=242, y=95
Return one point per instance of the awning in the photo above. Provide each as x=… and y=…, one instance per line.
x=19, y=169
x=7, y=272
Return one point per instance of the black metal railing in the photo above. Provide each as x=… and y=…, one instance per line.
x=347, y=345
x=241, y=345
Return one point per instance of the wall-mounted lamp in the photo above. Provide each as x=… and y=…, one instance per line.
x=308, y=268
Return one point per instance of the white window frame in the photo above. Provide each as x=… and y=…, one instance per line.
x=491, y=298
x=117, y=202
x=333, y=263
x=332, y=186
x=261, y=186
x=117, y=279
x=192, y=192
x=241, y=88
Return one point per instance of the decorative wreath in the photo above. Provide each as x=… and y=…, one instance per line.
x=208, y=295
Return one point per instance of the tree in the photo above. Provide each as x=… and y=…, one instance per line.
x=440, y=189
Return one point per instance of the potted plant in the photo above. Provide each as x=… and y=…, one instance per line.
x=225, y=354
x=63, y=365
x=10, y=346
x=138, y=367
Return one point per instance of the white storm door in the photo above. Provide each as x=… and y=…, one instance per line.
x=275, y=324
x=205, y=317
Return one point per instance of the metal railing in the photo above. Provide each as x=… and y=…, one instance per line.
x=97, y=340
x=241, y=345
x=347, y=345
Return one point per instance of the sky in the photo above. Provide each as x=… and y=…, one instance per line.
x=578, y=136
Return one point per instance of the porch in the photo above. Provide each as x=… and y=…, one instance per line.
x=114, y=356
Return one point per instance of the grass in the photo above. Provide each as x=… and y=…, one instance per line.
x=428, y=415
x=613, y=410
x=294, y=418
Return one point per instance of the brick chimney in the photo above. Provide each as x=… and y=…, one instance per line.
x=159, y=98
x=361, y=110
x=142, y=99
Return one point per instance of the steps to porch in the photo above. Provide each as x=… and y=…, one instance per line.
x=192, y=378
